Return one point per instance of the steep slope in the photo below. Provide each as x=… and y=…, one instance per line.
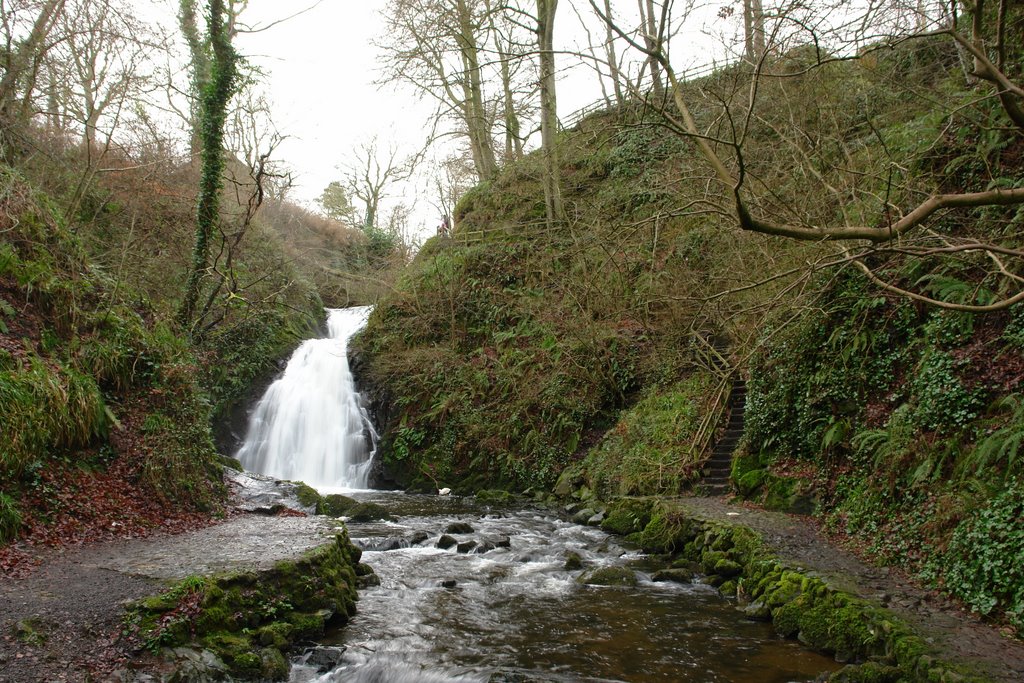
x=514, y=353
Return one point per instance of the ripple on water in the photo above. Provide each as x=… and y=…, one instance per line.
x=516, y=615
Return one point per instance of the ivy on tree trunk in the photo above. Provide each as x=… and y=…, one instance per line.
x=216, y=93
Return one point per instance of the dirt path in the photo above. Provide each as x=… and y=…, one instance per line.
x=63, y=621
x=955, y=632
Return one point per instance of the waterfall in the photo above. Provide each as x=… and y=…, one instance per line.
x=311, y=425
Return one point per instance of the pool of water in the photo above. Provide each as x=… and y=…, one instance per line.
x=516, y=614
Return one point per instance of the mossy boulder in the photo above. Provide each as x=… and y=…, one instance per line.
x=308, y=496
x=627, y=516
x=248, y=620
x=609, y=576
x=368, y=512
x=494, y=496
x=336, y=505
x=573, y=561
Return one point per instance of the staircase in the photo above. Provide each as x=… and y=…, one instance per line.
x=718, y=466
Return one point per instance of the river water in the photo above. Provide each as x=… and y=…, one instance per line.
x=516, y=614
x=511, y=614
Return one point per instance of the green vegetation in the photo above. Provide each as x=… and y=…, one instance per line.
x=249, y=621
x=800, y=606
x=589, y=357
x=100, y=388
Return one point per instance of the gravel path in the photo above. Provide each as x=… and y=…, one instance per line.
x=953, y=631
x=63, y=621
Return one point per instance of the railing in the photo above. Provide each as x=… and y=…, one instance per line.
x=609, y=104
x=720, y=398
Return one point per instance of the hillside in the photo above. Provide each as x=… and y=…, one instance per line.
x=598, y=353
x=108, y=406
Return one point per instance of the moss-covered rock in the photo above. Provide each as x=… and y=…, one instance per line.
x=368, y=512
x=494, y=496
x=249, y=621
x=609, y=576
x=336, y=505
x=627, y=515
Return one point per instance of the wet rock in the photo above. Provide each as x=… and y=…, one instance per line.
x=503, y=542
x=367, y=581
x=596, y=519
x=336, y=505
x=609, y=576
x=673, y=575
x=323, y=658
x=494, y=496
x=466, y=546
x=484, y=547
x=449, y=583
x=872, y=672
x=192, y=664
x=380, y=544
x=459, y=528
x=363, y=569
x=445, y=542
x=573, y=561
x=418, y=537
x=758, y=611
x=368, y=512
x=583, y=515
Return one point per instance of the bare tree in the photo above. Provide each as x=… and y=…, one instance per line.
x=906, y=211
x=549, y=110
x=26, y=27
x=99, y=65
x=450, y=51
x=372, y=173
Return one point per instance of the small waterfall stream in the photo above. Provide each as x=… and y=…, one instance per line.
x=310, y=425
x=504, y=604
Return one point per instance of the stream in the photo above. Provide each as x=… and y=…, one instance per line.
x=515, y=614
x=502, y=606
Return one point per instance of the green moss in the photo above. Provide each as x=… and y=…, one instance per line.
x=244, y=617
x=494, y=496
x=306, y=625
x=368, y=512
x=609, y=576
x=308, y=496
x=627, y=516
x=336, y=505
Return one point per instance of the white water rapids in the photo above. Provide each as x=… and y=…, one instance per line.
x=310, y=425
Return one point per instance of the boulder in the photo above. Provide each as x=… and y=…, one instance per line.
x=609, y=576
x=446, y=542
x=459, y=528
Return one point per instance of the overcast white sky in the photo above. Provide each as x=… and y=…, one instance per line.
x=321, y=68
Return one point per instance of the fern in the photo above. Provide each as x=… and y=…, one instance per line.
x=1002, y=449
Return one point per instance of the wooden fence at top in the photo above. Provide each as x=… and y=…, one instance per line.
x=609, y=104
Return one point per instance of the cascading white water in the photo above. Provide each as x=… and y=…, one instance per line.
x=310, y=425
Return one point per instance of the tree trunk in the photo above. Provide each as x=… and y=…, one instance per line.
x=650, y=31
x=200, y=64
x=613, y=60
x=215, y=97
x=477, y=122
x=19, y=61
x=548, y=110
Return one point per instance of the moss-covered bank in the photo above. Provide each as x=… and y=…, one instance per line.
x=876, y=643
x=250, y=620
